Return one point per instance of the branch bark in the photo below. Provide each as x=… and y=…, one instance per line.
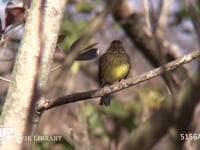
x=47, y=104
x=21, y=90
x=37, y=47
x=53, y=17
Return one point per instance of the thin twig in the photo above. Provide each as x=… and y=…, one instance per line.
x=4, y=79
x=147, y=15
x=47, y=104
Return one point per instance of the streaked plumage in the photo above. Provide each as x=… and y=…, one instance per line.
x=114, y=65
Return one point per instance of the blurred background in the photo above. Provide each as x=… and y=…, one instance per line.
x=85, y=125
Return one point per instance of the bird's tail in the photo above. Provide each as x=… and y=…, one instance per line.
x=105, y=100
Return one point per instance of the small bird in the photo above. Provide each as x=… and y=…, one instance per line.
x=114, y=65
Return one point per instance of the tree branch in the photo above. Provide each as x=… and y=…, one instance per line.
x=135, y=28
x=177, y=117
x=21, y=90
x=53, y=17
x=47, y=104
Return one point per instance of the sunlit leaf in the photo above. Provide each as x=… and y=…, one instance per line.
x=75, y=67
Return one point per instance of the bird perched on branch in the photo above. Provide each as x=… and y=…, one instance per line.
x=114, y=65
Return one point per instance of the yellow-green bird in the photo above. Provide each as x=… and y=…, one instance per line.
x=114, y=65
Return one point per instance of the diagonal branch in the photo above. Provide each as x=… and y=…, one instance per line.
x=174, y=116
x=135, y=28
x=47, y=104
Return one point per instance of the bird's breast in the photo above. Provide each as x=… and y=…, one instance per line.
x=115, y=72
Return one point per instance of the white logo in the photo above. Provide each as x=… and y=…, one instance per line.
x=5, y=131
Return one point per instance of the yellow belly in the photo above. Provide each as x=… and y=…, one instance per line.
x=116, y=72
